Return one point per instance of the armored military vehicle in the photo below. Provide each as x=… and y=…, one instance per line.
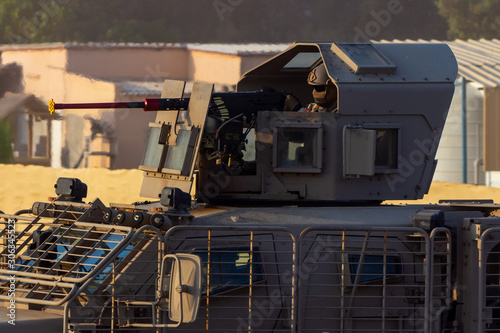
x=266, y=218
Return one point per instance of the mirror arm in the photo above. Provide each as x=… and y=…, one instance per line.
x=181, y=288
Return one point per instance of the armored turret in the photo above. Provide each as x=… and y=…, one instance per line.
x=378, y=144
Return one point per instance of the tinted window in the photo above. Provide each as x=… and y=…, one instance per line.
x=230, y=268
x=373, y=267
x=303, y=61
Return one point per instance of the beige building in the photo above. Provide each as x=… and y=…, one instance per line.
x=70, y=73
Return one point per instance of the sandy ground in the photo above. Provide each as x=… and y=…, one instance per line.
x=450, y=191
x=21, y=186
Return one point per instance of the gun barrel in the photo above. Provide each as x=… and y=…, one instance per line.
x=223, y=104
x=116, y=105
x=148, y=104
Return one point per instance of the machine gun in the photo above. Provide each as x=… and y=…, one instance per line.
x=224, y=105
x=229, y=118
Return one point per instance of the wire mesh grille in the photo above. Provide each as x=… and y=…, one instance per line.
x=49, y=258
x=489, y=277
x=441, y=275
x=123, y=293
x=375, y=280
x=248, y=278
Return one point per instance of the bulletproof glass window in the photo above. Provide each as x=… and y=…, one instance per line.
x=297, y=149
x=154, y=149
x=303, y=60
x=178, y=160
x=372, y=267
x=230, y=268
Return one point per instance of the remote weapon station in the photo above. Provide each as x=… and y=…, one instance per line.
x=267, y=217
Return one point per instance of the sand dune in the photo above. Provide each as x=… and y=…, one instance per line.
x=21, y=186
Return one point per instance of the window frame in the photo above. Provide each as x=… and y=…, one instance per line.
x=30, y=157
x=316, y=168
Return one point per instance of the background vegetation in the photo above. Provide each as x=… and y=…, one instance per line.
x=471, y=19
x=230, y=21
x=5, y=142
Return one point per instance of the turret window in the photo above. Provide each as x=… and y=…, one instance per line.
x=297, y=149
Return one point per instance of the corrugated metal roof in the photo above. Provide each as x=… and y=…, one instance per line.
x=240, y=49
x=478, y=60
x=90, y=45
x=236, y=49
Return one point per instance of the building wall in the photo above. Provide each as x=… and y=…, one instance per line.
x=43, y=76
x=449, y=154
x=76, y=129
x=43, y=70
x=491, y=137
x=249, y=62
x=214, y=67
x=143, y=64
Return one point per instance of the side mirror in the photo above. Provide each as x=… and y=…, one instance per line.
x=184, y=287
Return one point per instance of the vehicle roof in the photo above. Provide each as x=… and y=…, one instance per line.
x=384, y=215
